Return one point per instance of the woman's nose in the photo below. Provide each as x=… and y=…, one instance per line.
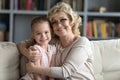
x=59, y=24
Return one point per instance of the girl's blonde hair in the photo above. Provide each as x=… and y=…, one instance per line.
x=66, y=8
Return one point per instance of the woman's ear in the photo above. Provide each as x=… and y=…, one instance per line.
x=72, y=24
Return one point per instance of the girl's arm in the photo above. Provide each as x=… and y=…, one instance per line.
x=35, y=75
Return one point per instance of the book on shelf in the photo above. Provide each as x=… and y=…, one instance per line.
x=79, y=6
x=28, y=4
x=15, y=4
x=35, y=5
x=45, y=4
x=22, y=4
x=2, y=31
x=31, y=4
x=75, y=4
x=68, y=1
x=53, y=2
x=4, y=4
x=95, y=29
x=2, y=35
x=104, y=29
x=41, y=4
x=118, y=30
x=100, y=29
x=89, y=29
x=111, y=29
x=25, y=4
x=98, y=23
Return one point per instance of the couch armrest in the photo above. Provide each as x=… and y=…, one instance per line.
x=9, y=61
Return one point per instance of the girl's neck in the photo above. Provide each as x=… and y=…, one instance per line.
x=45, y=47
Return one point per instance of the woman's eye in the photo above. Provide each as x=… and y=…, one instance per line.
x=59, y=21
x=54, y=22
x=63, y=20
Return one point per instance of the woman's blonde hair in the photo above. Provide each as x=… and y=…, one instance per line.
x=66, y=8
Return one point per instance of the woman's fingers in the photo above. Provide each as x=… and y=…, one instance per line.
x=29, y=66
x=34, y=54
x=33, y=48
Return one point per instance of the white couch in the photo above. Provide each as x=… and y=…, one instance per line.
x=106, y=63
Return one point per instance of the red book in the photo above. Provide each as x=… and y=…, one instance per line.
x=28, y=4
x=89, y=29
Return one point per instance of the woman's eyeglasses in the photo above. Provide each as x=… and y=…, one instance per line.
x=61, y=21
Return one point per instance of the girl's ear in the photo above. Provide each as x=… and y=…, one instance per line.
x=32, y=36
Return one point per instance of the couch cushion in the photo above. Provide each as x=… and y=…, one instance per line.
x=97, y=60
x=107, y=59
x=9, y=61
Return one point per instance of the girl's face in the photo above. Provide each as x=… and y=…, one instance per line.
x=41, y=33
x=61, y=24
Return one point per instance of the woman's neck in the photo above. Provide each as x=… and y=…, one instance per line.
x=67, y=40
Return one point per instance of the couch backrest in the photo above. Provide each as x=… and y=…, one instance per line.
x=106, y=59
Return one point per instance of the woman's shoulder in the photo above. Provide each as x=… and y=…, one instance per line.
x=82, y=41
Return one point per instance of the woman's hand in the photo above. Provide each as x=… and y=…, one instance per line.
x=30, y=67
x=22, y=46
x=34, y=54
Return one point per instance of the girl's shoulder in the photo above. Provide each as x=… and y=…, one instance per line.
x=52, y=48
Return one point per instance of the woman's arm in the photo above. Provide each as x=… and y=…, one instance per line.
x=26, y=48
x=22, y=46
x=70, y=64
x=74, y=64
x=31, y=67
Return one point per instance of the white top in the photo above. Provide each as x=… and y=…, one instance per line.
x=74, y=62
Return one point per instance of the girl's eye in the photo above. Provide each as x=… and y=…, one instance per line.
x=46, y=32
x=37, y=33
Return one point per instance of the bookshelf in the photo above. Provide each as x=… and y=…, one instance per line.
x=18, y=19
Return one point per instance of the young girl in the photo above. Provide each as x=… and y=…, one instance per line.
x=41, y=34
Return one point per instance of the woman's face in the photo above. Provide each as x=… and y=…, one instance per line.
x=61, y=24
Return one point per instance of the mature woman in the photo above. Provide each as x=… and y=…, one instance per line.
x=73, y=60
